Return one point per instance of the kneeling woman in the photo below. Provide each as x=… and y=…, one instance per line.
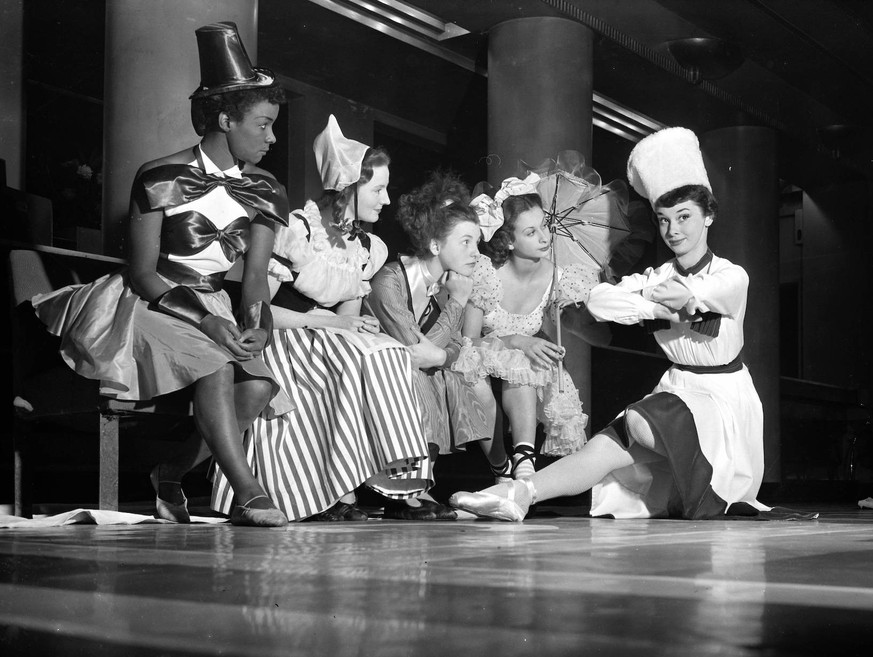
x=694, y=447
x=356, y=417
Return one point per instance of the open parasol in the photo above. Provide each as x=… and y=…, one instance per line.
x=587, y=220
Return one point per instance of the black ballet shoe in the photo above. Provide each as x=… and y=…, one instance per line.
x=426, y=511
x=244, y=515
x=341, y=512
x=168, y=510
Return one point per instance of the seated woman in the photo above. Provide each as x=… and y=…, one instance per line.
x=424, y=296
x=164, y=323
x=512, y=289
x=694, y=447
x=356, y=419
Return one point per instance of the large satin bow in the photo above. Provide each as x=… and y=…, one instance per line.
x=174, y=184
x=198, y=232
x=490, y=210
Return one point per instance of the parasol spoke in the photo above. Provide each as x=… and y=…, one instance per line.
x=592, y=224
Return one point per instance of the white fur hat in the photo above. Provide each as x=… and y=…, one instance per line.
x=665, y=160
x=339, y=159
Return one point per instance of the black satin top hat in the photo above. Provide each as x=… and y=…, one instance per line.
x=224, y=63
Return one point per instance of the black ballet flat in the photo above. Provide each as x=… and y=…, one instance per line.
x=341, y=512
x=426, y=511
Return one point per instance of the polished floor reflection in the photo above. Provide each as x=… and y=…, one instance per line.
x=551, y=586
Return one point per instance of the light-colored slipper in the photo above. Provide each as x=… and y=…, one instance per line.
x=488, y=505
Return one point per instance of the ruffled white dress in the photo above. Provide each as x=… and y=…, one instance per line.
x=560, y=411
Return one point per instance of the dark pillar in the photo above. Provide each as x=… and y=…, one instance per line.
x=151, y=68
x=741, y=162
x=540, y=103
x=12, y=94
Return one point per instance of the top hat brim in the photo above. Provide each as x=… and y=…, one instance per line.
x=264, y=78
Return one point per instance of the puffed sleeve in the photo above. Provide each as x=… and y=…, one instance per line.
x=290, y=248
x=378, y=256
x=486, y=285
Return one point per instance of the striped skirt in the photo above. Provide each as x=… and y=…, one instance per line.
x=357, y=420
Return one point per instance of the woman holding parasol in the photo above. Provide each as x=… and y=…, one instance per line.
x=514, y=284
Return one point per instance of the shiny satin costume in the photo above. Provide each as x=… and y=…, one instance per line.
x=139, y=350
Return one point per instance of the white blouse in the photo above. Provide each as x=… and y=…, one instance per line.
x=325, y=272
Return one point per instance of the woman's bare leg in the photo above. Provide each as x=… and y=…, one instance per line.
x=520, y=404
x=576, y=473
x=250, y=397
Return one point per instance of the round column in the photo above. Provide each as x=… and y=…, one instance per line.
x=151, y=68
x=540, y=103
x=741, y=162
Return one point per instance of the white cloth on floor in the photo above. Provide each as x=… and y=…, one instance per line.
x=90, y=517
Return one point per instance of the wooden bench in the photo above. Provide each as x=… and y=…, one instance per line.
x=46, y=389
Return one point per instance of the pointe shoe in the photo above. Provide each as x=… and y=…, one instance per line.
x=489, y=505
x=243, y=515
x=168, y=510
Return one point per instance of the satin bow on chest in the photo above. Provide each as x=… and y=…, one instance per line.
x=188, y=233
x=171, y=185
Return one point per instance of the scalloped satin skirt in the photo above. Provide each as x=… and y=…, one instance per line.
x=109, y=334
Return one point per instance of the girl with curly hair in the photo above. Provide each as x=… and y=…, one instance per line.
x=424, y=296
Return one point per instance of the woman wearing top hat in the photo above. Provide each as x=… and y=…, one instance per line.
x=164, y=323
x=356, y=419
x=693, y=448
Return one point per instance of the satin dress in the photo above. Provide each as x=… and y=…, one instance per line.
x=109, y=333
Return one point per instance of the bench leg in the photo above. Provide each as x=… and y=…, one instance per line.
x=23, y=506
x=108, y=462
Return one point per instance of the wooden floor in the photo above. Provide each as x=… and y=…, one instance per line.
x=555, y=585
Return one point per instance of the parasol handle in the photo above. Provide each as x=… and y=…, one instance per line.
x=558, y=338
x=554, y=296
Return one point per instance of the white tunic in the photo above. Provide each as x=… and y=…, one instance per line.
x=725, y=407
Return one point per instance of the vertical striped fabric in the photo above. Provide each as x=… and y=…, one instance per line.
x=356, y=419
